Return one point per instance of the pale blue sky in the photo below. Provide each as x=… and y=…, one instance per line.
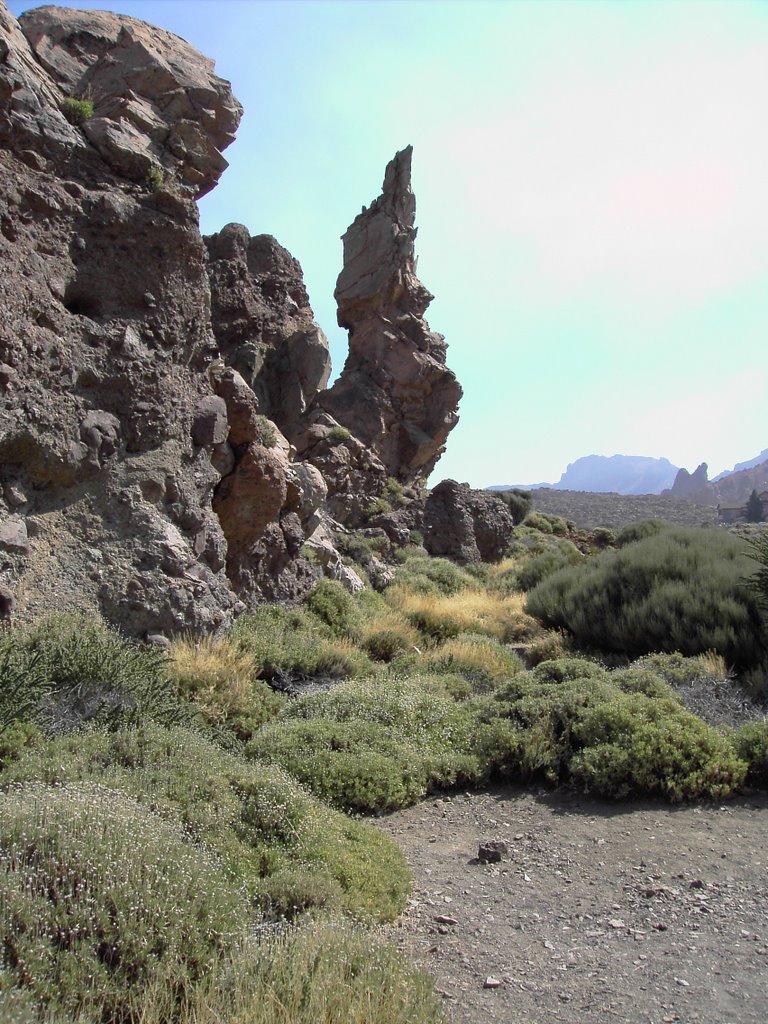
x=592, y=200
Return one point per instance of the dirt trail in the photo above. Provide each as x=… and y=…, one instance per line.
x=643, y=913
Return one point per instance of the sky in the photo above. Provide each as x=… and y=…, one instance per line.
x=591, y=182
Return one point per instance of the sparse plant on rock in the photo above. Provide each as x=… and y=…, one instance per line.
x=77, y=111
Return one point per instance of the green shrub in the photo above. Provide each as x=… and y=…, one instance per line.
x=377, y=507
x=267, y=431
x=65, y=670
x=334, y=606
x=633, y=532
x=373, y=745
x=338, y=435
x=423, y=574
x=295, y=641
x=518, y=502
x=611, y=733
x=100, y=899
x=155, y=178
x=603, y=537
x=262, y=824
x=680, y=590
x=642, y=744
x=76, y=111
x=751, y=743
x=545, y=563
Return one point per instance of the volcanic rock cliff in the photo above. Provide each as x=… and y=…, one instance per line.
x=166, y=443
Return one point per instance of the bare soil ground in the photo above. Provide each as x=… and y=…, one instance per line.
x=644, y=913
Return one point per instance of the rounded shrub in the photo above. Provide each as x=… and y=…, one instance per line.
x=261, y=822
x=679, y=590
x=100, y=899
x=751, y=743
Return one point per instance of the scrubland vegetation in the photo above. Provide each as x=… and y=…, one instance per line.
x=182, y=841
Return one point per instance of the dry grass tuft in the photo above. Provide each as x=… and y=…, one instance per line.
x=469, y=611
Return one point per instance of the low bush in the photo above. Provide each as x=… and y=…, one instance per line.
x=611, y=733
x=76, y=111
x=751, y=743
x=373, y=745
x=65, y=670
x=267, y=431
x=640, y=530
x=334, y=606
x=100, y=899
x=294, y=641
x=338, y=435
x=680, y=590
x=423, y=574
x=262, y=824
x=544, y=564
x=518, y=502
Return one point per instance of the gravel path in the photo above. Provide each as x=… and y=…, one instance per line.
x=642, y=912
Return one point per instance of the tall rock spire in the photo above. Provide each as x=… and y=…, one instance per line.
x=395, y=393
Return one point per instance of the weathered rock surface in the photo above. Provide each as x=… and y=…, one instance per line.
x=395, y=393
x=156, y=100
x=112, y=438
x=263, y=323
x=456, y=522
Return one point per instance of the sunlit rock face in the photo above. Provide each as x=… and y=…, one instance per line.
x=395, y=394
x=157, y=104
x=112, y=441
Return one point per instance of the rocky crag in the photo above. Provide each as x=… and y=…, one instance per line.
x=167, y=442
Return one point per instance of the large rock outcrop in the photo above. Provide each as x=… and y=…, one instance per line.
x=114, y=435
x=693, y=486
x=455, y=522
x=395, y=394
x=263, y=323
x=157, y=104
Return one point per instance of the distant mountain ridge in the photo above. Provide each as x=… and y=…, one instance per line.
x=615, y=474
x=639, y=474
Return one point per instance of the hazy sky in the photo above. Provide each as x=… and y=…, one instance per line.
x=592, y=201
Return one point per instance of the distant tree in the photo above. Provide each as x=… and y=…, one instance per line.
x=754, y=508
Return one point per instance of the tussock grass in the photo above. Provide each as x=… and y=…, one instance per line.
x=219, y=680
x=483, y=661
x=322, y=972
x=469, y=611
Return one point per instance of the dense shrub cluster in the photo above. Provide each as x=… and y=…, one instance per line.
x=678, y=590
x=612, y=733
x=159, y=810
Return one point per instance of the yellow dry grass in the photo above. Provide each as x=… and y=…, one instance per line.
x=714, y=665
x=213, y=674
x=469, y=611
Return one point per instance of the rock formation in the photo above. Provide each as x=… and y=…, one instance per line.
x=263, y=323
x=395, y=394
x=455, y=522
x=693, y=486
x=155, y=386
x=114, y=437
